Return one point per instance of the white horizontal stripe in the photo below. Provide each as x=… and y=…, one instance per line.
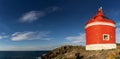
x=100, y=23
x=100, y=46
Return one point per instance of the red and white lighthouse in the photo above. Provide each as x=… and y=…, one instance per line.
x=100, y=32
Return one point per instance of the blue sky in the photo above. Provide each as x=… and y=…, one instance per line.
x=47, y=24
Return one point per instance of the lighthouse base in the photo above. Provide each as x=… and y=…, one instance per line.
x=100, y=46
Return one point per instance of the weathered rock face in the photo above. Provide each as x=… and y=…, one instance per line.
x=79, y=52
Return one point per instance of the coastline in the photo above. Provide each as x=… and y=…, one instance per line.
x=74, y=52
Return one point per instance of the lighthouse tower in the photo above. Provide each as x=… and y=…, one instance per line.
x=100, y=32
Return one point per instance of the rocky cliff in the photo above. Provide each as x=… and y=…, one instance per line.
x=79, y=52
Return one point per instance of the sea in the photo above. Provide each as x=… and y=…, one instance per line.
x=22, y=54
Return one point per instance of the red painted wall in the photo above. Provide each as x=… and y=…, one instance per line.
x=94, y=34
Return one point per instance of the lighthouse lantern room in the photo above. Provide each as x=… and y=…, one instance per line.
x=100, y=32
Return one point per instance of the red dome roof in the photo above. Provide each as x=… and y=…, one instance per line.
x=100, y=17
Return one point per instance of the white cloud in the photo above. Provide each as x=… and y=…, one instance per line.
x=76, y=40
x=18, y=36
x=35, y=15
x=118, y=24
x=118, y=35
x=3, y=36
x=32, y=16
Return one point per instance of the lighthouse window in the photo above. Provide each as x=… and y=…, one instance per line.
x=105, y=36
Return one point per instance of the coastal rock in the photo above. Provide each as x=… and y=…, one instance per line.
x=79, y=52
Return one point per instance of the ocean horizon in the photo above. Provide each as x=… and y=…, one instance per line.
x=22, y=54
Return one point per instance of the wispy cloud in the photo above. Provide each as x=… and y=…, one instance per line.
x=35, y=15
x=118, y=32
x=118, y=24
x=76, y=40
x=32, y=16
x=3, y=36
x=18, y=36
